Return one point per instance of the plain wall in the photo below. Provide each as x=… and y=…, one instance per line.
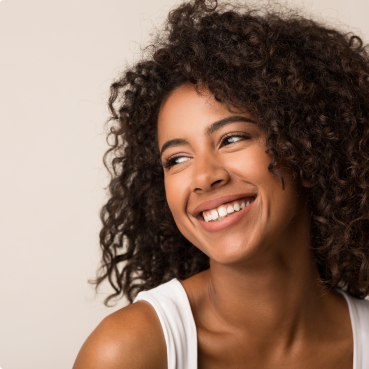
x=57, y=60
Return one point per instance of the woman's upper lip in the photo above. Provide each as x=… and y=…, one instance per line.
x=214, y=203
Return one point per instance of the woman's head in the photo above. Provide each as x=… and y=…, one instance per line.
x=305, y=85
x=216, y=165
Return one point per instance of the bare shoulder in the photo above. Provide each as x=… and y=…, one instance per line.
x=130, y=338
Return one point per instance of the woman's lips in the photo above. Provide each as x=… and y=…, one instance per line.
x=214, y=203
x=227, y=222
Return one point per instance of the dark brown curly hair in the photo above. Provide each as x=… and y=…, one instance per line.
x=306, y=84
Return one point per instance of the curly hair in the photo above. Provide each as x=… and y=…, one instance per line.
x=306, y=84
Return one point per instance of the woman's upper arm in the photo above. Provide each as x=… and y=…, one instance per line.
x=131, y=338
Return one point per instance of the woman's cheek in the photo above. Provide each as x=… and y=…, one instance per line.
x=175, y=189
x=251, y=164
x=243, y=165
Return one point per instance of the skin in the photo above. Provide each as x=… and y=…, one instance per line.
x=260, y=304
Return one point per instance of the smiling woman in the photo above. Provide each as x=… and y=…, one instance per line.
x=238, y=221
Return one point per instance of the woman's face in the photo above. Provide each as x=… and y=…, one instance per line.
x=215, y=164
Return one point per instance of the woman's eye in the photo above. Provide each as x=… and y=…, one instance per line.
x=174, y=161
x=168, y=163
x=231, y=139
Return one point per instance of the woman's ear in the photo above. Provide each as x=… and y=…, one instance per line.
x=307, y=184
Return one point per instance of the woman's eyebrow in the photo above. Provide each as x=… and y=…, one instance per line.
x=223, y=122
x=209, y=130
x=173, y=143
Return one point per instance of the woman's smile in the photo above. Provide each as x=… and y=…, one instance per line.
x=226, y=215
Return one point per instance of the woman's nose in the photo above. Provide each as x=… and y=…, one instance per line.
x=208, y=174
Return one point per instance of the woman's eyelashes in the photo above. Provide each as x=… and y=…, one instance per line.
x=232, y=138
x=168, y=163
x=225, y=141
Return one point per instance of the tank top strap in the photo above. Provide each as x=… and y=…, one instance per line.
x=359, y=314
x=171, y=304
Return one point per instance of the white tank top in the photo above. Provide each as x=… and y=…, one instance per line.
x=171, y=304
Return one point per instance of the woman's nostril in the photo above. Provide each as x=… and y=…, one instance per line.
x=216, y=182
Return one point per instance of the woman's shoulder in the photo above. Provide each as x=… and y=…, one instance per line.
x=131, y=337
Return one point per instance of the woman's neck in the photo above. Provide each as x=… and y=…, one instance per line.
x=277, y=298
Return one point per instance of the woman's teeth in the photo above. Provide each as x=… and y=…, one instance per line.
x=224, y=210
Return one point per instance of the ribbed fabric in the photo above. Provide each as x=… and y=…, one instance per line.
x=171, y=304
x=359, y=313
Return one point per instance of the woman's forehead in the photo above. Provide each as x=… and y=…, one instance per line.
x=187, y=108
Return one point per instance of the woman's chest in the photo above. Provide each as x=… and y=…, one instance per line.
x=219, y=352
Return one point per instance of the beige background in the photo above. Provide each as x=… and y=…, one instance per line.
x=57, y=59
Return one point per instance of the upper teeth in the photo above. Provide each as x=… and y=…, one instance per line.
x=223, y=211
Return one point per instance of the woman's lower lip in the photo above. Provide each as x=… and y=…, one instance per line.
x=227, y=222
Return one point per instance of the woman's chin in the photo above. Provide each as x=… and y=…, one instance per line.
x=232, y=253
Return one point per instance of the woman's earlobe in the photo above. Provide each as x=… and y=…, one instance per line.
x=307, y=184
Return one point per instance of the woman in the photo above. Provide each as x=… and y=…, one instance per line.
x=239, y=205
